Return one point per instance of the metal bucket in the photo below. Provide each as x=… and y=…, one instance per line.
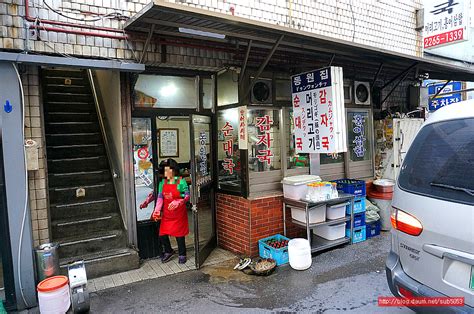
x=47, y=260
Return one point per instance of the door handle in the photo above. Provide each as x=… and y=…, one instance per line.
x=194, y=208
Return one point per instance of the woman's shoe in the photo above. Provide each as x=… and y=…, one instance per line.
x=182, y=259
x=167, y=256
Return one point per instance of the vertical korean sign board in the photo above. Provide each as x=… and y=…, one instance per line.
x=446, y=22
x=318, y=111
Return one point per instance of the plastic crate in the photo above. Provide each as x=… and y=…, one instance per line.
x=359, y=206
x=350, y=186
x=358, y=234
x=373, y=229
x=359, y=220
x=279, y=255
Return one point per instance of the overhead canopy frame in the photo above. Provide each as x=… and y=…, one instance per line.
x=168, y=18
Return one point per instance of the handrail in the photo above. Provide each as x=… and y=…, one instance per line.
x=105, y=130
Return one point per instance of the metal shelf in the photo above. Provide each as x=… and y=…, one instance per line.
x=327, y=222
x=321, y=244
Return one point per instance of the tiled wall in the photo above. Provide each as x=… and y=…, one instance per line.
x=36, y=178
x=383, y=24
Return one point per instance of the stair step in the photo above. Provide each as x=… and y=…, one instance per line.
x=78, y=178
x=79, y=209
x=65, y=165
x=74, y=246
x=69, y=106
x=59, y=96
x=71, y=127
x=65, y=73
x=71, y=117
x=62, y=88
x=71, y=151
x=84, y=225
x=105, y=262
x=79, y=81
x=60, y=195
x=77, y=138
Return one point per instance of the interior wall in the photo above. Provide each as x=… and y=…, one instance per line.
x=109, y=89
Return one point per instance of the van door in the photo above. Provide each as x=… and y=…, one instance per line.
x=436, y=186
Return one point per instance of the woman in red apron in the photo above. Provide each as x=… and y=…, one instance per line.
x=173, y=194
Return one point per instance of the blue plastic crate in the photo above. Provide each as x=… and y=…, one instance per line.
x=359, y=220
x=358, y=234
x=351, y=186
x=279, y=255
x=373, y=229
x=359, y=206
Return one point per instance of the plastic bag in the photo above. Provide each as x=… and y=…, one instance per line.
x=371, y=212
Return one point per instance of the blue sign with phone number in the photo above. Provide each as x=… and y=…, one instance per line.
x=442, y=101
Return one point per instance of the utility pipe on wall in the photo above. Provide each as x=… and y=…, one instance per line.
x=61, y=30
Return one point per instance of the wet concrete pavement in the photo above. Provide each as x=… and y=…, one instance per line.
x=345, y=279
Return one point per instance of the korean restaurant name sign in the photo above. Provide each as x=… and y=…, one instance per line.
x=318, y=111
x=446, y=22
x=243, y=133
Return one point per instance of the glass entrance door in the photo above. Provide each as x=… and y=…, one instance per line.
x=202, y=191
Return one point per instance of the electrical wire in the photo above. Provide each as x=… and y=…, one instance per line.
x=112, y=15
x=23, y=222
x=353, y=21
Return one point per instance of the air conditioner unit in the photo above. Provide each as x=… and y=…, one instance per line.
x=362, y=93
x=261, y=92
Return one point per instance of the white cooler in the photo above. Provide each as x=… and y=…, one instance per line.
x=336, y=211
x=316, y=214
x=295, y=187
x=331, y=232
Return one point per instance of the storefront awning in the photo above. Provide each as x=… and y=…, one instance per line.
x=177, y=20
x=42, y=60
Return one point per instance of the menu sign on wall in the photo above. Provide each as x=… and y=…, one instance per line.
x=446, y=22
x=318, y=111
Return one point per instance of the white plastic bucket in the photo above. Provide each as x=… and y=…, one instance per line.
x=295, y=187
x=299, y=254
x=53, y=295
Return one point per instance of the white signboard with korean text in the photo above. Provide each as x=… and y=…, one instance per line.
x=243, y=140
x=446, y=22
x=318, y=111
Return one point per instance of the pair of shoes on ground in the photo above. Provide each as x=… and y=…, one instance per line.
x=167, y=257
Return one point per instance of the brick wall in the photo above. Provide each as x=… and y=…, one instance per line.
x=36, y=179
x=241, y=222
x=233, y=223
x=379, y=23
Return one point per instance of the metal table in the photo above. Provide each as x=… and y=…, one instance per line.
x=317, y=243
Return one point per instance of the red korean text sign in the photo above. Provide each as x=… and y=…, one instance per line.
x=318, y=111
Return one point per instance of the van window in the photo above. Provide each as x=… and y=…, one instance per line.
x=440, y=162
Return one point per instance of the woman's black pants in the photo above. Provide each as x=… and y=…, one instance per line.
x=181, y=244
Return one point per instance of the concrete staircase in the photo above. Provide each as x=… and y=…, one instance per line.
x=88, y=227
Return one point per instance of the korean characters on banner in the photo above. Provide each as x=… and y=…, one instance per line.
x=318, y=111
x=228, y=145
x=264, y=142
x=243, y=133
x=446, y=22
x=203, y=175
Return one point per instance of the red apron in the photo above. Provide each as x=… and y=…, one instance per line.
x=174, y=222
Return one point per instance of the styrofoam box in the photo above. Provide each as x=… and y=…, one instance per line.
x=316, y=214
x=331, y=232
x=337, y=211
x=295, y=187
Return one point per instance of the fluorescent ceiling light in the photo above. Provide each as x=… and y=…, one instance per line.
x=200, y=33
x=168, y=90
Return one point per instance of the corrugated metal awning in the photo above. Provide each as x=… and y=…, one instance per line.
x=169, y=17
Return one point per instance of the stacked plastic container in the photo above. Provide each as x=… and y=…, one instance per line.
x=356, y=188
